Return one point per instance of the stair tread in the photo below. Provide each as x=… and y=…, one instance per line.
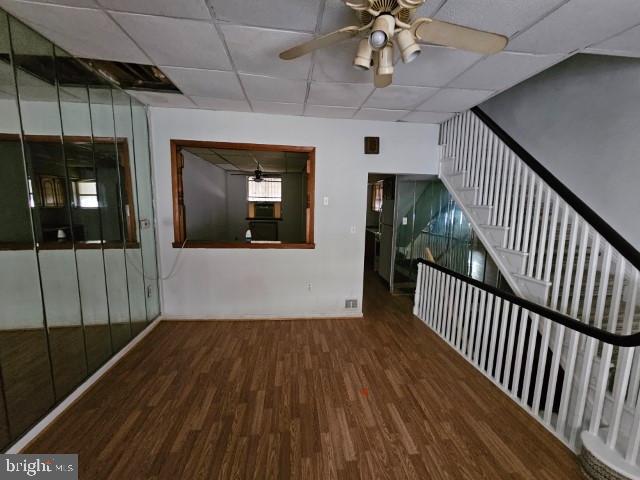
x=510, y=250
x=531, y=279
x=496, y=227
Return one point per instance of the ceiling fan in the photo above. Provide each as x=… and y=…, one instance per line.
x=257, y=174
x=386, y=23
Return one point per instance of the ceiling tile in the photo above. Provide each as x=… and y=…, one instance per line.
x=196, y=9
x=338, y=94
x=337, y=15
x=399, y=97
x=336, y=65
x=454, y=100
x=73, y=3
x=271, y=89
x=379, y=114
x=328, y=111
x=625, y=44
x=500, y=16
x=176, y=42
x=578, y=24
x=255, y=50
x=504, y=70
x=287, y=14
x=158, y=99
x=278, y=108
x=205, y=83
x=221, y=104
x=427, y=117
x=81, y=31
x=435, y=67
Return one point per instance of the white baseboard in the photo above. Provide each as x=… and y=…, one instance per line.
x=218, y=318
x=79, y=391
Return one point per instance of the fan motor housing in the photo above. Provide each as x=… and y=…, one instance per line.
x=385, y=6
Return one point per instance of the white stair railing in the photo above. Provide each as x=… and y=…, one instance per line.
x=499, y=334
x=557, y=254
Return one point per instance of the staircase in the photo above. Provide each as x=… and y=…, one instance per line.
x=554, y=255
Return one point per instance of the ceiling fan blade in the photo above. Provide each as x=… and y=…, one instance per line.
x=320, y=42
x=357, y=5
x=464, y=38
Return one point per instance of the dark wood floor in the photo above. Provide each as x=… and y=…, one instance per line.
x=379, y=397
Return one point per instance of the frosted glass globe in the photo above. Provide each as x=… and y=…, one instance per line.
x=378, y=39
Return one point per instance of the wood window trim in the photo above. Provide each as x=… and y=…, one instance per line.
x=177, y=194
x=123, y=160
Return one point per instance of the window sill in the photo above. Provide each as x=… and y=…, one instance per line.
x=237, y=245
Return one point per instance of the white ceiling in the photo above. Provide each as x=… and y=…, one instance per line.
x=223, y=54
x=248, y=161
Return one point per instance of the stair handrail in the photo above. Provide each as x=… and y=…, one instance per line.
x=619, y=243
x=632, y=340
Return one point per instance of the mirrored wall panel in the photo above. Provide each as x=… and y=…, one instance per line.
x=78, y=274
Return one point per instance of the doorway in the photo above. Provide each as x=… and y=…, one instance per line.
x=396, y=214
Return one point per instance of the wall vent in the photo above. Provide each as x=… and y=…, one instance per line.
x=371, y=145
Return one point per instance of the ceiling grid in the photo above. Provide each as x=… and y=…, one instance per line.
x=224, y=55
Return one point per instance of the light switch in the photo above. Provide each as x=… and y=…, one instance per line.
x=353, y=229
x=325, y=201
x=405, y=220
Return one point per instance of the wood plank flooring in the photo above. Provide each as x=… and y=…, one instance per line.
x=378, y=397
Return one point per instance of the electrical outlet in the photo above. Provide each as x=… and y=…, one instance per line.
x=309, y=286
x=353, y=229
x=351, y=303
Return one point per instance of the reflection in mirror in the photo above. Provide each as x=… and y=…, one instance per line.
x=75, y=180
x=145, y=208
x=52, y=200
x=79, y=154
x=24, y=357
x=133, y=256
x=116, y=211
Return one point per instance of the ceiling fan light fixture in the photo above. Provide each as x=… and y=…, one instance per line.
x=364, y=55
x=385, y=61
x=381, y=31
x=409, y=48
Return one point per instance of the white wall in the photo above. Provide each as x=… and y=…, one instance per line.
x=581, y=119
x=205, y=198
x=236, y=283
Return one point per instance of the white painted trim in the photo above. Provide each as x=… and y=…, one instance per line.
x=78, y=392
x=220, y=318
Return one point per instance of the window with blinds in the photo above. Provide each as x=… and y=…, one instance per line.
x=266, y=190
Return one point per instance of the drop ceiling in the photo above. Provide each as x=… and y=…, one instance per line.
x=223, y=54
x=248, y=161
